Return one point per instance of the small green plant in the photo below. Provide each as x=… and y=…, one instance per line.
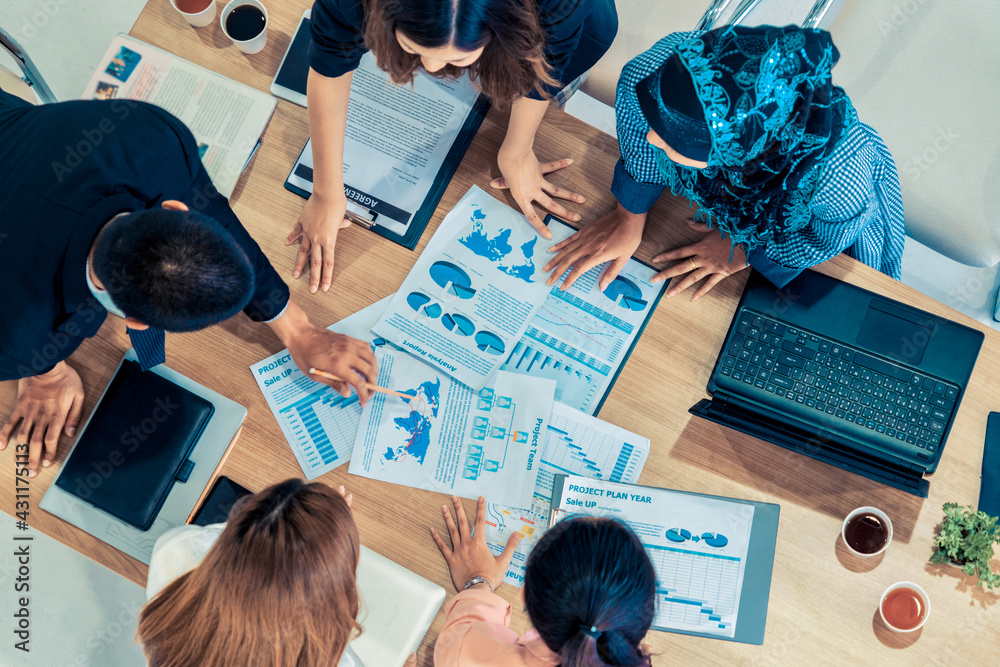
x=967, y=538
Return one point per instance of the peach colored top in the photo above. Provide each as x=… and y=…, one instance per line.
x=475, y=634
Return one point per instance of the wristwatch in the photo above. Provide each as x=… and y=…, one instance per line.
x=475, y=581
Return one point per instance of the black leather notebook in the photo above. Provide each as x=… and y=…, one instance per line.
x=136, y=446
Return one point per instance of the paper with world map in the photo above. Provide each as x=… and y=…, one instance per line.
x=473, y=291
x=450, y=438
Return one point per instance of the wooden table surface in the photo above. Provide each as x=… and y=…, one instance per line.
x=823, y=603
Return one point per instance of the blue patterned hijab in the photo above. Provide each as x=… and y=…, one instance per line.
x=773, y=116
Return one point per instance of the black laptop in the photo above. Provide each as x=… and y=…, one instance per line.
x=843, y=375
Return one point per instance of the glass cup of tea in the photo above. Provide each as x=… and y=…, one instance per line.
x=904, y=607
x=245, y=22
x=199, y=13
x=867, y=532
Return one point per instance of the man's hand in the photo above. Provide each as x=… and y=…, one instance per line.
x=708, y=258
x=316, y=231
x=46, y=406
x=343, y=356
x=524, y=176
x=613, y=237
x=469, y=556
x=315, y=347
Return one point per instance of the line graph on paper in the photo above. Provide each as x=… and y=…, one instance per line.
x=695, y=591
x=582, y=330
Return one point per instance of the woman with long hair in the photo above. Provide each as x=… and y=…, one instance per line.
x=589, y=590
x=747, y=124
x=274, y=586
x=520, y=53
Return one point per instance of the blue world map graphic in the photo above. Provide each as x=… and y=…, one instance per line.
x=498, y=249
x=417, y=424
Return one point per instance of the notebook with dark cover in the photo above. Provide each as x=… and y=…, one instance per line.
x=136, y=446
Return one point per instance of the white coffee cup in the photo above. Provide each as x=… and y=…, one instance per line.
x=198, y=19
x=254, y=45
x=867, y=510
x=924, y=600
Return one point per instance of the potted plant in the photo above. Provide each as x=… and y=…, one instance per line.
x=967, y=538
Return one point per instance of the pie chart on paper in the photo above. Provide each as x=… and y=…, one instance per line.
x=453, y=279
x=459, y=324
x=416, y=300
x=626, y=294
x=490, y=343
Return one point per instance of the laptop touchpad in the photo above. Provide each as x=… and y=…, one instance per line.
x=896, y=333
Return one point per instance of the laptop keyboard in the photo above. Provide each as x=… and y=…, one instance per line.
x=841, y=381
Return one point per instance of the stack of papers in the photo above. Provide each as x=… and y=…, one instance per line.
x=473, y=303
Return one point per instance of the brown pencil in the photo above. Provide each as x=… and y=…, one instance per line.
x=373, y=387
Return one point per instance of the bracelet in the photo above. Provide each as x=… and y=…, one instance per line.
x=475, y=581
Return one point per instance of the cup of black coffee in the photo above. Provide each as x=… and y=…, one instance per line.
x=245, y=22
x=867, y=532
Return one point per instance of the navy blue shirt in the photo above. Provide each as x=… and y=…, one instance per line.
x=570, y=26
x=65, y=170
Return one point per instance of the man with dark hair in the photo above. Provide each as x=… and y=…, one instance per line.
x=106, y=207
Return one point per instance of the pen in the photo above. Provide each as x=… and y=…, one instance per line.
x=358, y=220
x=373, y=387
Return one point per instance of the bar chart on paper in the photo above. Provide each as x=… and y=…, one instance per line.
x=575, y=444
x=695, y=591
x=319, y=424
x=321, y=427
x=581, y=337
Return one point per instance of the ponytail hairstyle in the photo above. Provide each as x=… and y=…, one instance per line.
x=276, y=589
x=590, y=592
x=513, y=60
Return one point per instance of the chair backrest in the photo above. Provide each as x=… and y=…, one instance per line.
x=31, y=76
x=15, y=85
x=641, y=23
x=924, y=74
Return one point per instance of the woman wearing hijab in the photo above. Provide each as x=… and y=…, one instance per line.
x=747, y=124
x=520, y=53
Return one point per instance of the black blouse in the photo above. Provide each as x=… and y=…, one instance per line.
x=338, y=40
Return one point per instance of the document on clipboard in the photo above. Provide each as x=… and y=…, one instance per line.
x=713, y=556
x=402, y=146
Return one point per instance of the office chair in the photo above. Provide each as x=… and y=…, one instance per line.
x=31, y=85
x=641, y=23
x=924, y=75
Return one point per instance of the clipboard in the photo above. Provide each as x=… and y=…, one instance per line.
x=365, y=208
x=752, y=612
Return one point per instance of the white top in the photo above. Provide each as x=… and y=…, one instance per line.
x=181, y=549
x=102, y=296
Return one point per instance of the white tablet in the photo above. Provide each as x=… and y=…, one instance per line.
x=293, y=73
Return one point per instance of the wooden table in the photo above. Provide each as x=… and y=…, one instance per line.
x=823, y=604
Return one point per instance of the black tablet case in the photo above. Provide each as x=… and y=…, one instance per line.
x=136, y=446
